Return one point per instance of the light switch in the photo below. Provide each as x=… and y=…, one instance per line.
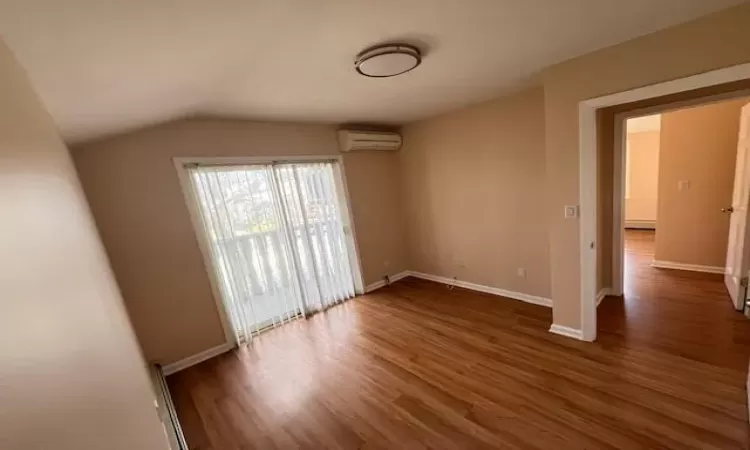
x=683, y=185
x=571, y=211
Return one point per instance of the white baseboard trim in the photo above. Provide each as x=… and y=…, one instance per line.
x=542, y=301
x=528, y=298
x=602, y=293
x=566, y=331
x=182, y=364
x=690, y=267
x=641, y=224
x=379, y=284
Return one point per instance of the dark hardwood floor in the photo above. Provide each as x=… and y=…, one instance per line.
x=416, y=365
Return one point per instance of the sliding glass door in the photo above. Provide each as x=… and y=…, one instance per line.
x=278, y=240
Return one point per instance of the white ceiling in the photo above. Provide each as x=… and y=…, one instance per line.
x=105, y=66
x=645, y=123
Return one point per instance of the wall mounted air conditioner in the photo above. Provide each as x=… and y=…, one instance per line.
x=351, y=140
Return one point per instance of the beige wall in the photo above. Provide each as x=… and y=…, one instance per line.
x=71, y=375
x=642, y=171
x=698, y=145
x=712, y=42
x=604, y=199
x=474, y=184
x=374, y=181
x=140, y=210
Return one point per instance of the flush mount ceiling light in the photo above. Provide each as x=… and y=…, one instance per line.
x=387, y=60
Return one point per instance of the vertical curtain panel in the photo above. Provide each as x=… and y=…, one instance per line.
x=277, y=240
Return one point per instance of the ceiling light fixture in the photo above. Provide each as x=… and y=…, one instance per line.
x=387, y=60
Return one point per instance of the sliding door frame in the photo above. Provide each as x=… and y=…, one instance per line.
x=191, y=200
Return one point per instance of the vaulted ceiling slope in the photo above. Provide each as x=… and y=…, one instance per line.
x=106, y=66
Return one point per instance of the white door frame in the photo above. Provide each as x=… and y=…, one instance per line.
x=587, y=152
x=191, y=200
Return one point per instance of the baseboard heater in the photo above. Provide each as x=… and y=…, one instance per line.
x=167, y=412
x=640, y=225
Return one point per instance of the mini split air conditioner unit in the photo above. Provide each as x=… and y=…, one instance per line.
x=351, y=140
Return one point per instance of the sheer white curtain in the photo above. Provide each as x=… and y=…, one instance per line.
x=277, y=240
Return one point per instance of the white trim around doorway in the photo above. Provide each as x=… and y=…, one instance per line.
x=587, y=151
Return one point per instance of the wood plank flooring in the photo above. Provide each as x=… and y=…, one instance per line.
x=417, y=365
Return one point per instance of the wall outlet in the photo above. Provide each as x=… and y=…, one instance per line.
x=521, y=272
x=683, y=185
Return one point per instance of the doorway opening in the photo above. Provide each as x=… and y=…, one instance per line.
x=670, y=302
x=600, y=121
x=656, y=290
x=683, y=173
x=276, y=238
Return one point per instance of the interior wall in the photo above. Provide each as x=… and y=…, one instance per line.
x=715, y=41
x=642, y=172
x=604, y=203
x=698, y=146
x=140, y=210
x=474, y=187
x=71, y=374
x=374, y=180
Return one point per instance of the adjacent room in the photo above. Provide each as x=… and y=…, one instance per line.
x=287, y=224
x=642, y=172
x=682, y=174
